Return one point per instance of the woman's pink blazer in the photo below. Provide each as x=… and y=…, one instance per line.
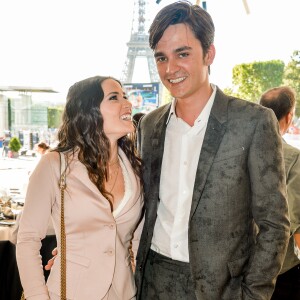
x=98, y=244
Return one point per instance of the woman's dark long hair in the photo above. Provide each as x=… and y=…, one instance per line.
x=82, y=131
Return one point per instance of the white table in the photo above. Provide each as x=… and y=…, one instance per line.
x=6, y=233
x=9, y=233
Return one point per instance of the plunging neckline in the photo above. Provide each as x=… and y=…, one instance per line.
x=127, y=188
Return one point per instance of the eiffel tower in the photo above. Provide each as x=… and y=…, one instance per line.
x=138, y=46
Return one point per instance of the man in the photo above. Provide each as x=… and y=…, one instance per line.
x=213, y=171
x=282, y=101
x=5, y=148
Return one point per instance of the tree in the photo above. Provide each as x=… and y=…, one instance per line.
x=292, y=77
x=252, y=79
x=54, y=117
x=14, y=145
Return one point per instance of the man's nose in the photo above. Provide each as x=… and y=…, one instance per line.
x=172, y=66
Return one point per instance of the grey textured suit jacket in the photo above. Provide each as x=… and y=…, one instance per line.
x=239, y=187
x=292, y=168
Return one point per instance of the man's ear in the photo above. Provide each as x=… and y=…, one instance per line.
x=289, y=118
x=210, y=55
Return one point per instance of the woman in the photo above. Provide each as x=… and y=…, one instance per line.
x=103, y=199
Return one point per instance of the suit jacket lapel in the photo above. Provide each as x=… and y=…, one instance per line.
x=80, y=172
x=214, y=133
x=157, y=141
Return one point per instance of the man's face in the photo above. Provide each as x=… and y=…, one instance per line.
x=181, y=64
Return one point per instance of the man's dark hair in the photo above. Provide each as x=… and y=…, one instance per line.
x=198, y=20
x=280, y=99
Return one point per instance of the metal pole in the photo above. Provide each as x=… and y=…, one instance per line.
x=9, y=115
x=246, y=7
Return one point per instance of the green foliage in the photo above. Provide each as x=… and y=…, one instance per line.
x=54, y=117
x=292, y=77
x=230, y=92
x=14, y=144
x=252, y=79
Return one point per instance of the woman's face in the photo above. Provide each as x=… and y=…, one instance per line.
x=116, y=110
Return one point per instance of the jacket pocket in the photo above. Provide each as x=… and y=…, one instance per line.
x=76, y=265
x=237, y=266
x=226, y=155
x=233, y=288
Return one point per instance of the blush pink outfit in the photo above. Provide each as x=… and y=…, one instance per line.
x=98, y=241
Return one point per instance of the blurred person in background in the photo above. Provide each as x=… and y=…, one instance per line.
x=136, y=118
x=5, y=148
x=42, y=148
x=103, y=199
x=282, y=100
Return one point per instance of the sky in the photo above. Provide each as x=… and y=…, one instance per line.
x=54, y=43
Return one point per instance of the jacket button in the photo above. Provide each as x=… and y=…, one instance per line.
x=110, y=252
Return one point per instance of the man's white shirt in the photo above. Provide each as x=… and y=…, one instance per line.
x=182, y=149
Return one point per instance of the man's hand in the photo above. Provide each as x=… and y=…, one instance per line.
x=51, y=261
x=297, y=239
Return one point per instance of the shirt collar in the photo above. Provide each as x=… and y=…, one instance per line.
x=172, y=110
x=206, y=109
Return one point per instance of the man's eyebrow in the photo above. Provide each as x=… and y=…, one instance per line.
x=183, y=48
x=157, y=54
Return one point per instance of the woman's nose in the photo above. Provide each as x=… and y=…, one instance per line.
x=127, y=104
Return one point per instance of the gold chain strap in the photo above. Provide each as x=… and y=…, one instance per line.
x=63, y=284
x=62, y=185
